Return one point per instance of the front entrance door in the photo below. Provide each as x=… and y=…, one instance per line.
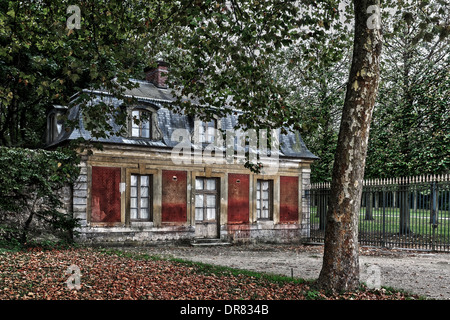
x=206, y=208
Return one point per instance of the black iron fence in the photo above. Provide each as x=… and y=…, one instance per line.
x=412, y=212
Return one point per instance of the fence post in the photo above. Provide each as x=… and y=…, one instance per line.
x=322, y=208
x=433, y=211
x=433, y=205
x=405, y=215
x=394, y=199
x=377, y=199
x=383, y=240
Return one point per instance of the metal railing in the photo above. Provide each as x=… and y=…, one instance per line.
x=410, y=212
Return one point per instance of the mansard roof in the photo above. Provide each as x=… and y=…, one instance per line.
x=291, y=144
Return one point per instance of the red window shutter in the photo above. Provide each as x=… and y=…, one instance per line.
x=105, y=194
x=238, y=198
x=174, y=196
x=288, y=199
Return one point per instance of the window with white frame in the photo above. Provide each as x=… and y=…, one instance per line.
x=207, y=131
x=140, y=197
x=141, y=123
x=264, y=199
x=205, y=199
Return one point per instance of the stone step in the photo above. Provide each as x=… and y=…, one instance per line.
x=209, y=242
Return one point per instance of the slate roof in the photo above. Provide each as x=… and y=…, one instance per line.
x=291, y=145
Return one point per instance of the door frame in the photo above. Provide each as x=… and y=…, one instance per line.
x=217, y=193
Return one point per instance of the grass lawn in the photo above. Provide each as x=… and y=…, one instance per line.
x=389, y=222
x=114, y=275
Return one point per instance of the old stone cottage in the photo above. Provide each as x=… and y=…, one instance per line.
x=136, y=191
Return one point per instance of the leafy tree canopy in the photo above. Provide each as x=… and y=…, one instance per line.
x=220, y=51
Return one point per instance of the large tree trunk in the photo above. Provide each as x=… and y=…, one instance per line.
x=340, y=270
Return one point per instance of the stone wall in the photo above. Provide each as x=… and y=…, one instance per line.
x=159, y=231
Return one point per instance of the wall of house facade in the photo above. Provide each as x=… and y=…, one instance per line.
x=188, y=201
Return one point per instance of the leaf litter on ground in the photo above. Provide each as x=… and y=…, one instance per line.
x=106, y=275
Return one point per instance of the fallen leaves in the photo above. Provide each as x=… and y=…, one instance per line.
x=42, y=275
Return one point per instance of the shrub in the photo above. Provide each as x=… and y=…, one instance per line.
x=31, y=187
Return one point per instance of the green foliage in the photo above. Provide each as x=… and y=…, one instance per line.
x=410, y=127
x=281, y=63
x=220, y=51
x=30, y=185
x=42, y=62
x=410, y=132
x=318, y=100
x=313, y=295
x=224, y=54
x=413, y=140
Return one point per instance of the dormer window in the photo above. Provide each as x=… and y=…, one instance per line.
x=207, y=131
x=52, y=128
x=55, y=123
x=141, y=123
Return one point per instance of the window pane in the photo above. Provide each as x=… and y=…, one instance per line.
x=210, y=201
x=201, y=128
x=135, y=132
x=134, y=125
x=133, y=203
x=199, y=183
x=144, y=213
x=258, y=185
x=265, y=214
x=144, y=192
x=199, y=201
x=133, y=180
x=145, y=133
x=144, y=202
x=145, y=129
x=211, y=184
x=144, y=181
x=211, y=214
x=210, y=134
x=133, y=191
x=258, y=213
x=198, y=214
x=133, y=213
x=201, y=132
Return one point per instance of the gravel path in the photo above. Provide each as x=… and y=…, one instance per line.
x=426, y=274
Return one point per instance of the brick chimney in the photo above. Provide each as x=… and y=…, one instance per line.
x=158, y=75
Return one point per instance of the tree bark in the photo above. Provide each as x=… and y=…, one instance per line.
x=340, y=269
